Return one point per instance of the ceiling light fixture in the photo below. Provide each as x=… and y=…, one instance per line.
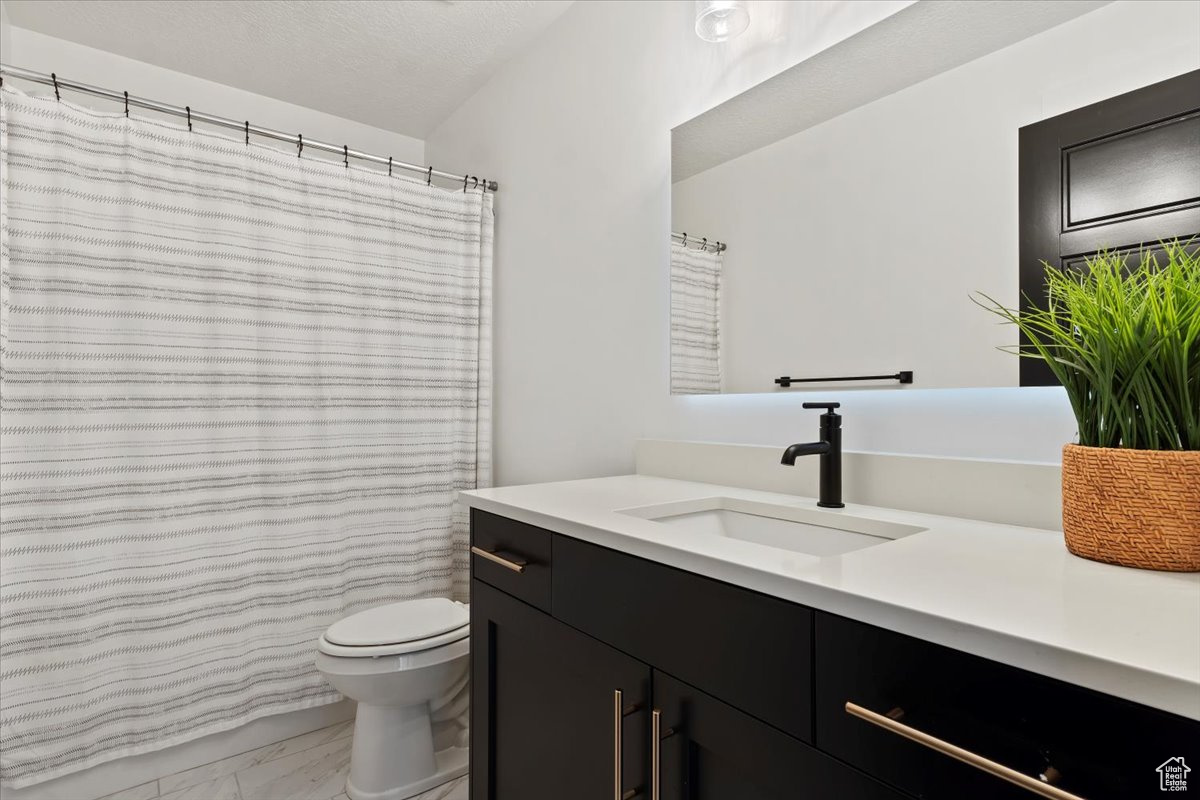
x=721, y=20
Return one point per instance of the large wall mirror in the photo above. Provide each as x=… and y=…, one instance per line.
x=835, y=221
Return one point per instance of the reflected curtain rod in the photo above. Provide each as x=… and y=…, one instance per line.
x=241, y=126
x=704, y=244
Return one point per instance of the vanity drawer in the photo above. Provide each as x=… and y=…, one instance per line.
x=1091, y=745
x=746, y=649
x=512, y=556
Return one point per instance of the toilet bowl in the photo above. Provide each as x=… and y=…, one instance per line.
x=406, y=665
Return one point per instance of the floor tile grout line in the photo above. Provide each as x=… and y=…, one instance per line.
x=158, y=784
x=268, y=744
x=341, y=742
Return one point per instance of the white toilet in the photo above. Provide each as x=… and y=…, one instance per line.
x=406, y=665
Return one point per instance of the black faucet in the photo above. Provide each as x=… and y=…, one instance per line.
x=830, y=451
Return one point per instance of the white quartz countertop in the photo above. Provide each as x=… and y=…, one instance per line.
x=1003, y=592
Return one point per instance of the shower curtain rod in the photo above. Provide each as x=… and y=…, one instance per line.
x=244, y=126
x=704, y=244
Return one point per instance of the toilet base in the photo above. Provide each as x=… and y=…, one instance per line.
x=392, y=756
x=451, y=764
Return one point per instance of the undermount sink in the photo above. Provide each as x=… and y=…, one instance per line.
x=797, y=529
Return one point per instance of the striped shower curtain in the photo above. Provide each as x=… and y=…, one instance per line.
x=239, y=392
x=695, y=320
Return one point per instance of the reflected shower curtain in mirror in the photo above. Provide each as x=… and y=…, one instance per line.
x=695, y=320
x=240, y=391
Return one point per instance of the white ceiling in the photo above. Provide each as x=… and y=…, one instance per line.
x=401, y=66
x=915, y=43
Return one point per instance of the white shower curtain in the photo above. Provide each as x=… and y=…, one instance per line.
x=240, y=390
x=695, y=320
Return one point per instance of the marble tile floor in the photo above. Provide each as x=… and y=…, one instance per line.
x=308, y=767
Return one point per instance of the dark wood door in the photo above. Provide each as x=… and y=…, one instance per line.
x=712, y=751
x=1122, y=175
x=544, y=718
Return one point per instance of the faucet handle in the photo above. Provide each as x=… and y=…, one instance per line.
x=829, y=407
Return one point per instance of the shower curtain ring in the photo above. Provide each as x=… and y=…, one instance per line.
x=685, y=239
x=389, y=166
x=189, y=116
x=54, y=78
x=247, y=131
x=704, y=245
x=127, y=105
x=299, y=144
x=464, y=183
x=429, y=176
x=474, y=182
x=346, y=155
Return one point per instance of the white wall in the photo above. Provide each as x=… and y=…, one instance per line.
x=47, y=54
x=5, y=33
x=577, y=132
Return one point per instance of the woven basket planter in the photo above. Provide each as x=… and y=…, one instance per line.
x=1136, y=508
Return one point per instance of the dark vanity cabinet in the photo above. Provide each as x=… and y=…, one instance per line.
x=556, y=714
x=596, y=674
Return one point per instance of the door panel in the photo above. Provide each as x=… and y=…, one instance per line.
x=1150, y=169
x=1121, y=174
x=542, y=707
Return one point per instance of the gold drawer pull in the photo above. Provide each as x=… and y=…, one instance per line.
x=889, y=723
x=515, y=564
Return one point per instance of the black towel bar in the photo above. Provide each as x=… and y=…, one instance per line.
x=904, y=376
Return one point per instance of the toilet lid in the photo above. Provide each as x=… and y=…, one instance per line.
x=395, y=623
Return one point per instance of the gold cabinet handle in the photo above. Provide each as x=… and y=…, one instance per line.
x=655, y=754
x=657, y=734
x=955, y=752
x=618, y=719
x=515, y=564
x=619, y=713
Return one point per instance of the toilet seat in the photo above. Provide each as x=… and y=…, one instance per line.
x=409, y=626
x=395, y=649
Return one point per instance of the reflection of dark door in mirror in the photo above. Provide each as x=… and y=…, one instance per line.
x=1121, y=174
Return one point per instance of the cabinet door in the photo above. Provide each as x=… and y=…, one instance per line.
x=547, y=722
x=709, y=750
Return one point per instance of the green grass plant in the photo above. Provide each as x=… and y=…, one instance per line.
x=1124, y=341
